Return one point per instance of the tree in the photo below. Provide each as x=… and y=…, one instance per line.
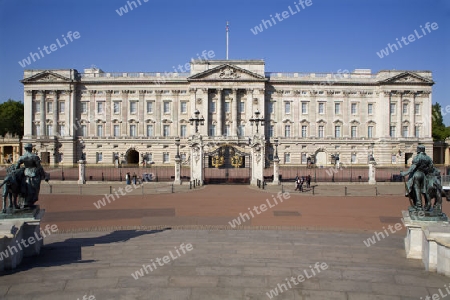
x=11, y=118
x=438, y=129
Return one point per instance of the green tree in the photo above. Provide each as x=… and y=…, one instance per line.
x=11, y=118
x=438, y=129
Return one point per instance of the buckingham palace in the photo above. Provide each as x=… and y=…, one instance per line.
x=301, y=118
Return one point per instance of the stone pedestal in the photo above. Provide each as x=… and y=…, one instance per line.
x=196, y=145
x=257, y=159
x=20, y=237
x=372, y=172
x=276, y=171
x=430, y=242
x=177, y=171
x=81, y=172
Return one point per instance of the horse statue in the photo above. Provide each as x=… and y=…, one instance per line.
x=12, y=187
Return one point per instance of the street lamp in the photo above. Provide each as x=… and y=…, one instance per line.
x=177, y=143
x=197, y=120
x=371, y=158
x=276, y=148
x=257, y=120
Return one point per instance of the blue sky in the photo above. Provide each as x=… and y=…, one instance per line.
x=156, y=35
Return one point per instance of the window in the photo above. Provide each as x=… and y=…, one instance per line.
x=133, y=107
x=241, y=130
x=392, y=131
x=227, y=107
x=337, y=131
x=287, y=107
x=166, y=130
x=49, y=129
x=212, y=107
x=100, y=107
x=183, y=131
x=49, y=107
x=304, y=131
x=183, y=156
x=304, y=158
x=370, y=108
x=227, y=130
x=337, y=108
x=320, y=133
x=370, y=131
x=405, y=131
x=321, y=108
x=417, y=109
x=353, y=158
x=353, y=108
x=116, y=130
x=304, y=108
x=287, y=131
x=149, y=130
x=116, y=107
x=241, y=106
x=166, y=107
x=133, y=130
x=405, y=108
x=271, y=107
x=183, y=107
x=84, y=107
x=394, y=158
x=99, y=130
x=150, y=107
x=353, y=132
x=149, y=157
x=416, y=131
x=271, y=129
x=37, y=107
x=165, y=157
x=287, y=158
x=392, y=109
x=212, y=130
x=99, y=156
x=38, y=129
x=62, y=107
x=62, y=130
x=83, y=130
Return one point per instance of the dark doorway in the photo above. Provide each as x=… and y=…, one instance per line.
x=132, y=157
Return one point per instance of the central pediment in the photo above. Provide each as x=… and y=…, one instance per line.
x=227, y=72
x=407, y=78
x=46, y=76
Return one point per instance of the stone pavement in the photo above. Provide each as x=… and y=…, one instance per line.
x=89, y=257
x=222, y=264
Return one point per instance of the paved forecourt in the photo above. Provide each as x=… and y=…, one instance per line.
x=331, y=248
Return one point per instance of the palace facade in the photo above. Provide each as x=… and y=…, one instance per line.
x=307, y=118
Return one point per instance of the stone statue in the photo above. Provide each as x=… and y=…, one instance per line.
x=12, y=187
x=33, y=174
x=423, y=181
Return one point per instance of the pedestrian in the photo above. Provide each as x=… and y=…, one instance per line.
x=308, y=181
x=134, y=178
x=128, y=178
x=297, y=184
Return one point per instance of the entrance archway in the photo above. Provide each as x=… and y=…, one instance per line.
x=132, y=157
x=227, y=164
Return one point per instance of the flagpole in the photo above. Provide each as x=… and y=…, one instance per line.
x=227, y=40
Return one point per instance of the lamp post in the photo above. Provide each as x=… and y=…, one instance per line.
x=276, y=165
x=276, y=147
x=257, y=120
x=197, y=120
x=177, y=163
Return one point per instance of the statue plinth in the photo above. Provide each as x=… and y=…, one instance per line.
x=422, y=215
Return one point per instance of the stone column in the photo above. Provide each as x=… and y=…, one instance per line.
x=372, y=172
x=91, y=128
x=72, y=116
x=248, y=110
x=81, y=172
x=196, y=145
x=219, y=114
x=124, y=114
x=108, y=111
x=177, y=170
x=141, y=129
x=28, y=113
x=175, y=113
x=43, y=112
x=276, y=171
x=257, y=159
x=234, y=116
x=158, y=108
x=55, y=113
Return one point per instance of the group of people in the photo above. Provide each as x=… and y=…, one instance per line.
x=300, y=180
